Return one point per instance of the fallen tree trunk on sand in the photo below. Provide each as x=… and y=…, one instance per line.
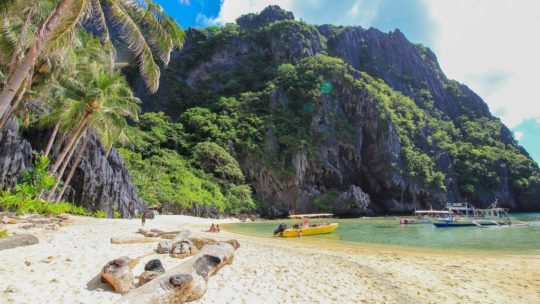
x=186, y=282
x=133, y=240
x=17, y=241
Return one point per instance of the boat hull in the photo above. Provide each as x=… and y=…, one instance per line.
x=291, y=232
x=450, y=224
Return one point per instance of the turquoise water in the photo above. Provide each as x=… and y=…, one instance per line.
x=386, y=231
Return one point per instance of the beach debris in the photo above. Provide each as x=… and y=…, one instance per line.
x=48, y=259
x=11, y=289
x=118, y=273
x=27, y=263
x=182, y=235
x=132, y=240
x=154, y=265
x=148, y=276
x=157, y=232
x=18, y=240
x=187, y=281
x=168, y=236
x=152, y=270
x=163, y=247
x=183, y=249
x=200, y=242
x=147, y=233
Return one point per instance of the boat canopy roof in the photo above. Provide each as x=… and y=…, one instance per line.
x=296, y=216
x=432, y=212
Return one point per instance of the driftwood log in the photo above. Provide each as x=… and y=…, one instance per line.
x=200, y=242
x=132, y=240
x=18, y=240
x=152, y=270
x=186, y=282
x=157, y=232
x=118, y=273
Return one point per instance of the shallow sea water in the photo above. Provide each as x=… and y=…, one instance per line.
x=386, y=231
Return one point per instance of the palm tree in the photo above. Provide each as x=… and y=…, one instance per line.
x=101, y=104
x=144, y=25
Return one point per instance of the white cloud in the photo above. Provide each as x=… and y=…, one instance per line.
x=479, y=38
x=205, y=20
x=184, y=2
x=518, y=135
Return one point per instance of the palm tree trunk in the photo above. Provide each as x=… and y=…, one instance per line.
x=73, y=168
x=27, y=86
x=51, y=139
x=35, y=49
x=64, y=166
x=71, y=140
x=20, y=43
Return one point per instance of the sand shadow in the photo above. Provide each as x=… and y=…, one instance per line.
x=95, y=283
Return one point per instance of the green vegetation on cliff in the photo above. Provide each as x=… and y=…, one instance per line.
x=168, y=166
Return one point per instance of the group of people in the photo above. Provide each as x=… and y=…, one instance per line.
x=213, y=228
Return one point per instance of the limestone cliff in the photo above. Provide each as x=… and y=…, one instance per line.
x=386, y=131
x=100, y=182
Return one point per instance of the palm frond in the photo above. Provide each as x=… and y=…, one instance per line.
x=106, y=37
x=137, y=43
x=64, y=32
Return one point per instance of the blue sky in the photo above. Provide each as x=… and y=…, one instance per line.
x=489, y=45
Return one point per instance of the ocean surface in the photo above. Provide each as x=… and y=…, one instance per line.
x=387, y=232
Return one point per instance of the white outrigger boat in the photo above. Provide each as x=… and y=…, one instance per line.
x=464, y=214
x=424, y=216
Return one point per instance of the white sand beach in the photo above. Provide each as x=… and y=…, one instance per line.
x=64, y=268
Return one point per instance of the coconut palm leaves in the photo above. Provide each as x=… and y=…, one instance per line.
x=143, y=24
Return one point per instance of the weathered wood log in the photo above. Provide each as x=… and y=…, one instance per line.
x=152, y=270
x=168, y=236
x=182, y=235
x=183, y=249
x=133, y=240
x=119, y=275
x=154, y=265
x=200, y=242
x=186, y=282
x=18, y=240
x=163, y=247
x=157, y=232
x=148, y=276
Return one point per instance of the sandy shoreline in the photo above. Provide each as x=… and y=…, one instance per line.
x=266, y=270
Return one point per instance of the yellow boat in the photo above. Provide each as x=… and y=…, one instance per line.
x=306, y=229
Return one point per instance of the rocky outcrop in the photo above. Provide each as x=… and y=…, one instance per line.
x=103, y=182
x=269, y=15
x=15, y=154
x=404, y=66
x=100, y=182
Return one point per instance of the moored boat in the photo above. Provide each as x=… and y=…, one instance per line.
x=424, y=216
x=464, y=215
x=299, y=230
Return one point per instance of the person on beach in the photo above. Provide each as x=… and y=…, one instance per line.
x=305, y=222
x=217, y=228
x=146, y=214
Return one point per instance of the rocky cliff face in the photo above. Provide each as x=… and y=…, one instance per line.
x=366, y=141
x=100, y=181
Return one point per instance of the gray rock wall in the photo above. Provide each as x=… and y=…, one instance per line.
x=99, y=182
